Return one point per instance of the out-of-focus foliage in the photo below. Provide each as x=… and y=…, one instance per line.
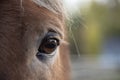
x=94, y=33
x=101, y=20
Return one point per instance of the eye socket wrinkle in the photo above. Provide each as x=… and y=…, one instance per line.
x=57, y=32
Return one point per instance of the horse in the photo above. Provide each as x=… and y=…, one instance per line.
x=33, y=41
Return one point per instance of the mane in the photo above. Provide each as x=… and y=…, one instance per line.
x=52, y=5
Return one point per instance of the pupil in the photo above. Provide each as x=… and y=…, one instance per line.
x=51, y=44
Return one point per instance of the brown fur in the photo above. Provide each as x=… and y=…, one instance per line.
x=20, y=31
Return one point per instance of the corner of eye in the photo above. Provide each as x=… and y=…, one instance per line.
x=65, y=42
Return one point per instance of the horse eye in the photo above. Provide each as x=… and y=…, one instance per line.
x=48, y=45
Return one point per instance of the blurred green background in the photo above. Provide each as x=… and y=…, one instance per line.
x=94, y=35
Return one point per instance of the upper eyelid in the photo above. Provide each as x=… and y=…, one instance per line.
x=57, y=31
x=54, y=35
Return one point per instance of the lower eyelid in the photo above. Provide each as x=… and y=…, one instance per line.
x=45, y=57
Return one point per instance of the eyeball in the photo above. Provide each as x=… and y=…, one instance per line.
x=49, y=44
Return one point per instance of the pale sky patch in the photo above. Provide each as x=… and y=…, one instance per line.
x=74, y=5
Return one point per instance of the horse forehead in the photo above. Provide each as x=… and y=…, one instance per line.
x=31, y=12
x=39, y=15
